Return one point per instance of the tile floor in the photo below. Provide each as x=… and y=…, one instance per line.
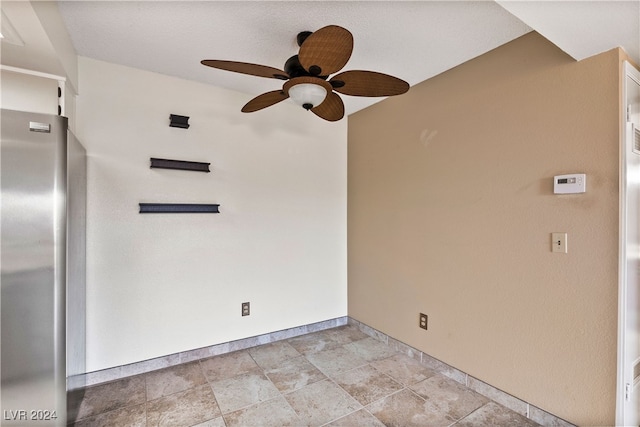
x=336, y=377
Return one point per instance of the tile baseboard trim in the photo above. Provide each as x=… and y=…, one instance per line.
x=118, y=372
x=505, y=399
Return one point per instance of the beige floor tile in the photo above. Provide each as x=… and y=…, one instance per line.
x=312, y=343
x=174, y=379
x=294, y=374
x=228, y=365
x=184, y=408
x=243, y=390
x=370, y=349
x=403, y=369
x=497, y=395
x=361, y=418
x=366, y=384
x=310, y=380
x=346, y=334
x=131, y=416
x=271, y=355
x=546, y=419
x=445, y=396
x=406, y=409
x=334, y=361
x=321, y=402
x=272, y=413
x=216, y=422
x=107, y=397
x=495, y=415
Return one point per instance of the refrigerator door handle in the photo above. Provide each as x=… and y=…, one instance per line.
x=39, y=127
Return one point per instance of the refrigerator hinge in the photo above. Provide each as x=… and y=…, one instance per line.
x=627, y=392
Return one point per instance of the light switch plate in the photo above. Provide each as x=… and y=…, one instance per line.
x=559, y=242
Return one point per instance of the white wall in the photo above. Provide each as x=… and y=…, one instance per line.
x=47, y=51
x=24, y=92
x=163, y=283
x=56, y=31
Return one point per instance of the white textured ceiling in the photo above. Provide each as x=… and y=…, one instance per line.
x=410, y=40
x=583, y=28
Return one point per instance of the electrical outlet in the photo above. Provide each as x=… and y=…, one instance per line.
x=423, y=321
x=245, y=309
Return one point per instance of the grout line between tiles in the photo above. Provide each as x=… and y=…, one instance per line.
x=386, y=397
x=215, y=399
x=289, y=404
x=389, y=395
x=341, y=417
x=472, y=412
x=108, y=412
x=146, y=402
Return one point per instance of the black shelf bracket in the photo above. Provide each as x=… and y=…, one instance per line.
x=178, y=208
x=179, y=164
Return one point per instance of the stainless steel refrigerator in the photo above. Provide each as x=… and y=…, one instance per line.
x=42, y=234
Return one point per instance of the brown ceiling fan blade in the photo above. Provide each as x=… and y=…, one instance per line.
x=246, y=68
x=326, y=51
x=265, y=100
x=332, y=109
x=368, y=83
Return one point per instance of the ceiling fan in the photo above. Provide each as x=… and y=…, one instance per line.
x=322, y=53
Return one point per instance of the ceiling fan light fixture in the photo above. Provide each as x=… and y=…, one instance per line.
x=307, y=95
x=307, y=92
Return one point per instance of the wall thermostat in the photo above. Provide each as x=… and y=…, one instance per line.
x=570, y=184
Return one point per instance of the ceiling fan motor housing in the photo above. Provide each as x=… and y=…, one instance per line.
x=302, y=36
x=294, y=69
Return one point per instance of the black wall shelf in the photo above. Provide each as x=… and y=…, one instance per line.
x=178, y=208
x=179, y=164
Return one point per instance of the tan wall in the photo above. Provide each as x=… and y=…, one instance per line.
x=450, y=210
